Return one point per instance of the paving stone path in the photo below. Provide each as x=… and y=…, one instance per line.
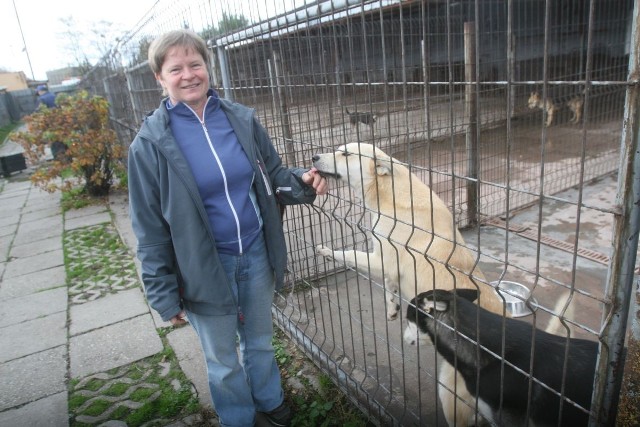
x=103, y=283
x=79, y=345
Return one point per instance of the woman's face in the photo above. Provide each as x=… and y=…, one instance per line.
x=184, y=77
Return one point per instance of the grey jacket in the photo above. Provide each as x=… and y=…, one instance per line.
x=180, y=266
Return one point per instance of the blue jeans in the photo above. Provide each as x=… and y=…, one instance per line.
x=247, y=381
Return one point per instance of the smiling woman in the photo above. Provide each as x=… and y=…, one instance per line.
x=178, y=62
x=205, y=189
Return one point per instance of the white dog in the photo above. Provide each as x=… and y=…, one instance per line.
x=416, y=246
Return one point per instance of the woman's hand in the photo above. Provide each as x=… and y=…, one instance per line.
x=179, y=319
x=313, y=178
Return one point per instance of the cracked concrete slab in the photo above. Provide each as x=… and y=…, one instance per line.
x=35, y=248
x=106, y=311
x=113, y=346
x=50, y=411
x=33, y=282
x=33, y=377
x=33, y=306
x=31, y=264
x=87, y=221
x=33, y=336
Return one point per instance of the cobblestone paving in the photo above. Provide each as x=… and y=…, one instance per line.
x=98, y=263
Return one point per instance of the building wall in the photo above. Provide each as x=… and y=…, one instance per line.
x=14, y=81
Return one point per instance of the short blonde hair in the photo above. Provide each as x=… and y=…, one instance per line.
x=184, y=38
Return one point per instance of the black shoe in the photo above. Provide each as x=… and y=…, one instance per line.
x=279, y=417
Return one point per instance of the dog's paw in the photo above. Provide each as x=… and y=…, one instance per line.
x=324, y=251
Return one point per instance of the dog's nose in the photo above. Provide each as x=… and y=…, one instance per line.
x=315, y=158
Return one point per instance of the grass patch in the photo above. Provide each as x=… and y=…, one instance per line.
x=141, y=394
x=76, y=198
x=97, y=261
x=97, y=407
x=77, y=401
x=282, y=355
x=321, y=405
x=117, y=389
x=95, y=384
x=159, y=384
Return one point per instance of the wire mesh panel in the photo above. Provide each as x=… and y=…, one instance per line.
x=508, y=114
x=120, y=109
x=144, y=91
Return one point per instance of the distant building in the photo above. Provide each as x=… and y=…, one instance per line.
x=57, y=77
x=13, y=81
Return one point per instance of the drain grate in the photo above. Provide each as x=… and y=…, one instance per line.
x=527, y=233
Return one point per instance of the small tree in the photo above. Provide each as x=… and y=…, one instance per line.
x=91, y=149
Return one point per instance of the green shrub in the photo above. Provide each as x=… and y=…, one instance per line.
x=91, y=149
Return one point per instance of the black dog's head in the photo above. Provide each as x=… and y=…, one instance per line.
x=427, y=306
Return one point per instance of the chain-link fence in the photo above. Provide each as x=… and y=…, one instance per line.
x=507, y=110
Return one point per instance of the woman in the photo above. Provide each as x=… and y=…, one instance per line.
x=204, y=187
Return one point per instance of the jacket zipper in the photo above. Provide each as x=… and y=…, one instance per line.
x=226, y=188
x=264, y=177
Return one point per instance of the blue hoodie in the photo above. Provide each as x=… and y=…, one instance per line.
x=222, y=172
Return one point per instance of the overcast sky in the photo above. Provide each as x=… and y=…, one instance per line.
x=48, y=48
x=41, y=26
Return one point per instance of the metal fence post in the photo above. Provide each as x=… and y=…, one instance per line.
x=620, y=277
x=224, y=70
x=471, y=111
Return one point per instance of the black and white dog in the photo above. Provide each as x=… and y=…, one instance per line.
x=502, y=389
x=366, y=118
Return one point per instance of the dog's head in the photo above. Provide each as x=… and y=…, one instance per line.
x=356, y=164
x=428, y=306
x=534, y=100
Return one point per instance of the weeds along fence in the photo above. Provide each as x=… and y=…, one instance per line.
x=461, y=93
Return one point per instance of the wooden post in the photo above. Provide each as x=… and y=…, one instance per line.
x=284, y=111
x=134, y=100
x=471, y=112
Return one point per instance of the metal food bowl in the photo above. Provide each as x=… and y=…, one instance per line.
x=515, y=297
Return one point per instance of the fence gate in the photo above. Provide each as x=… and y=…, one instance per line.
x=521, y=115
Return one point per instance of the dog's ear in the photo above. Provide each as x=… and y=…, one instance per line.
x=468, y=294
x=433, y=300
x=383, y=165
